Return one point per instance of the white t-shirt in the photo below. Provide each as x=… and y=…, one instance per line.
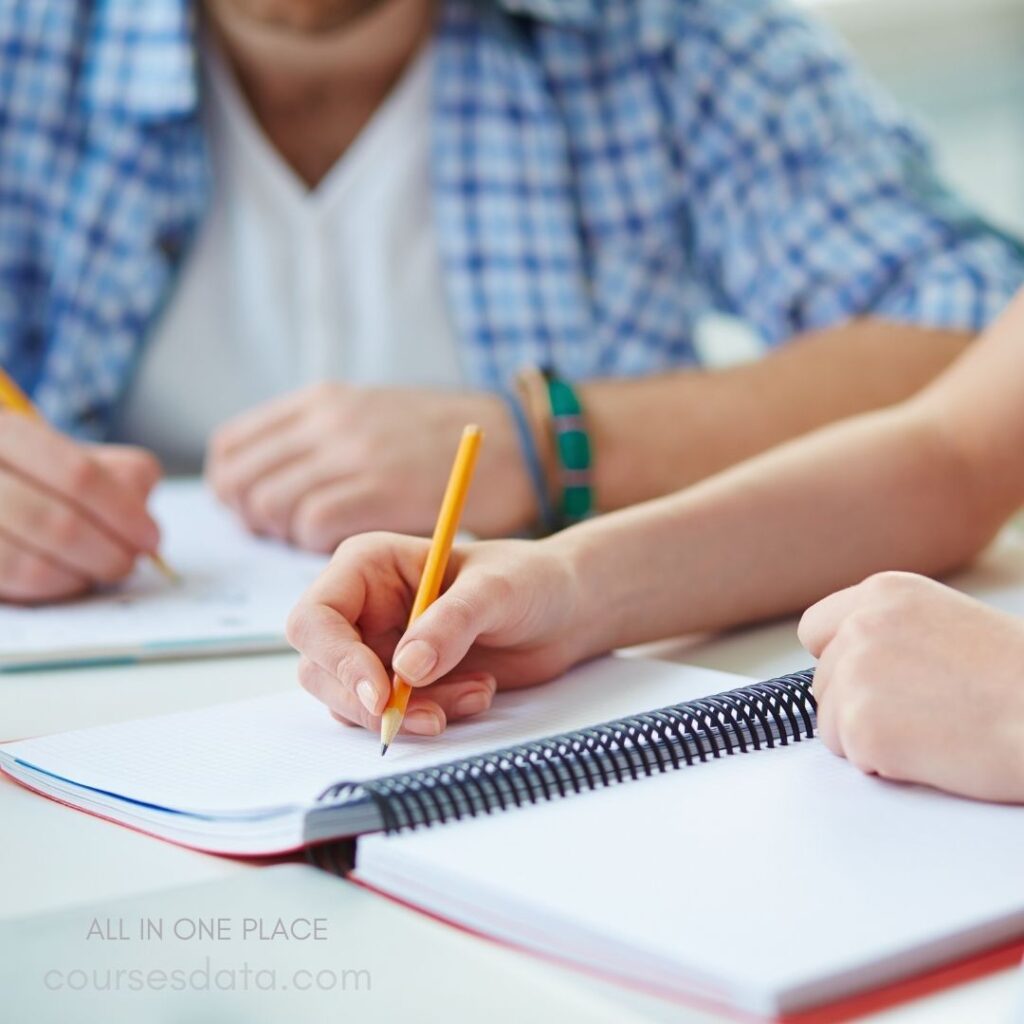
x=286, y=286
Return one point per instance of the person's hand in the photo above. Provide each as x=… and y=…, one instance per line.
x=509, y=618
x=332, y=461
x=918, y=683
x=72, y=516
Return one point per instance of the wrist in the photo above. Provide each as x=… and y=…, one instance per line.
x=600, y=585
x=510, y=506
x=532, y=393
x=532, y=454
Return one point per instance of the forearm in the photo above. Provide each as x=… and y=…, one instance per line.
x=883, y=491
x=656, y=435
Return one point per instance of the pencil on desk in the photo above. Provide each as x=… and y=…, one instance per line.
x=434, y=569
x=15, y=400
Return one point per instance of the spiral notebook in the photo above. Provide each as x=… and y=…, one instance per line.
x=710, y=849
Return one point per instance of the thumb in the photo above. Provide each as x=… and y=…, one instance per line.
x=442, y=636
x=820, y=623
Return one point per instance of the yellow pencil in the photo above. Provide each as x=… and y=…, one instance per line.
x=15, y=400
x=434, y=569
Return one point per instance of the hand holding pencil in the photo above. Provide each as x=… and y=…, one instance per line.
x=72, y=516
x=509, y=614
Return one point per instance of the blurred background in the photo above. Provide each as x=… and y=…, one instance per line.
x=958, y=67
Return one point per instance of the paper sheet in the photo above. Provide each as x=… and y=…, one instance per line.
x=779, y=878
x=235, y=594
x=284, y=750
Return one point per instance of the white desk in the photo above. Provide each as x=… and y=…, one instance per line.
x=53, y=858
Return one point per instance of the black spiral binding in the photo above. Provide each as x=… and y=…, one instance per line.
x=778, y=711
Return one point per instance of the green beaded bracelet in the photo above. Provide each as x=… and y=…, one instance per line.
x=572, y=444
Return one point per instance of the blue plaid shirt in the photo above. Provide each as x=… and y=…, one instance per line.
x=604, y=171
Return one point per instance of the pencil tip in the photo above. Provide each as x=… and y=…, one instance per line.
x=165, y=570
x=390, y=723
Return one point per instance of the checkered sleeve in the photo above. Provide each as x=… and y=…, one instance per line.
x=811, y=200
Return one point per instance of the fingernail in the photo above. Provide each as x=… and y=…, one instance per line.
x=423, y=722
x=473, y=703
x=415, y=660
x=367, y=694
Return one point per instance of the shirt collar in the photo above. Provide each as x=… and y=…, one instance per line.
x=578, y=13
x=143, y=60
x=657, y=18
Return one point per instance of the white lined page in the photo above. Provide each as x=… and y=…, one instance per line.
x=284, y=750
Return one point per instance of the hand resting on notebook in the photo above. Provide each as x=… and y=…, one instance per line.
x=71, y=516
x=919, y=683
x=511, y=617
